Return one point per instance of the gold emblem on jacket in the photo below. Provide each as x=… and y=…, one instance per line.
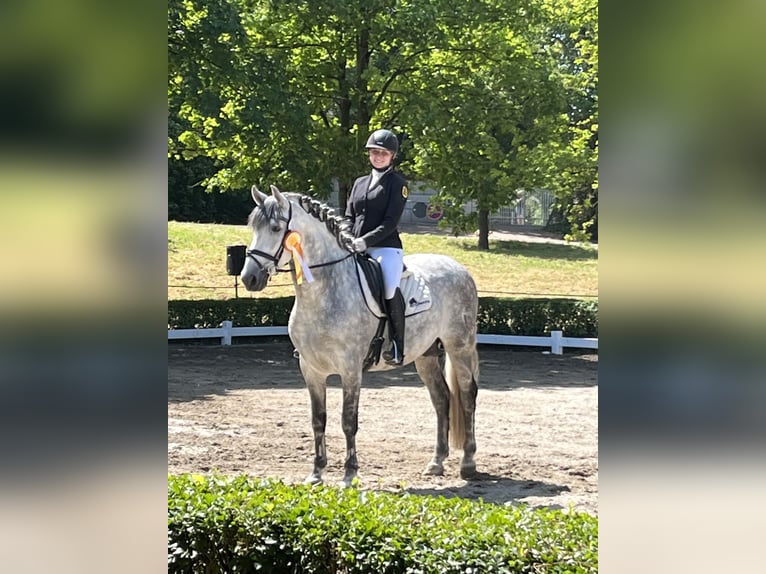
x=405, y=191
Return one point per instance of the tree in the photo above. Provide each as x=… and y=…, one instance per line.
x=568, y=163
x=234, y=101
x=287, y=92
x=483, y=100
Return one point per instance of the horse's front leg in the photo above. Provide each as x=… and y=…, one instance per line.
x=317, y=386
x=352, y=383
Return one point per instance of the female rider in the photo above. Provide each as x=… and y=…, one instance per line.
x=374, y=208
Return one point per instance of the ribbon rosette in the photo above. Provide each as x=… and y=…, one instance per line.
x=293, y=244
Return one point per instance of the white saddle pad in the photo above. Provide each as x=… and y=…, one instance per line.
x=417, y=295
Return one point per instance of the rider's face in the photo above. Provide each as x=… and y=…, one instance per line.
x=380, y=158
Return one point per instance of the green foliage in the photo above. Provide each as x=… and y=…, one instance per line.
x=494, y=96
x=242, y=524
x=188, y=199
x=532, y=317
x=568, y=163
x=209, y=313
x=489, y=96
x=538, y=317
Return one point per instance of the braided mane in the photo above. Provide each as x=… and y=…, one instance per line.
x=337, y=225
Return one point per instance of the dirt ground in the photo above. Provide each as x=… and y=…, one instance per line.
x=245, y=409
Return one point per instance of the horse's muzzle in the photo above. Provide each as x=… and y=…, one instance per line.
x=255, y=281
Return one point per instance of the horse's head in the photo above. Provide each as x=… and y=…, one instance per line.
x=269, y=221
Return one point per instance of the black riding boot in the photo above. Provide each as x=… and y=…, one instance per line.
x=395, y=308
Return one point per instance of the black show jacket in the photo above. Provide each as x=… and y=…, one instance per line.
x=375, y=213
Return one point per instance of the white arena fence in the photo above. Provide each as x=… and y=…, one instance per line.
x=556, y=341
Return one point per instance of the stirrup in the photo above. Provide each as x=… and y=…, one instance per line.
x=392, y=356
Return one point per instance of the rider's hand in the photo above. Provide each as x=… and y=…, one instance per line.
x=359, y=245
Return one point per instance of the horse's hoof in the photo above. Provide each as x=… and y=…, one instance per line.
x=434, y=469
x=468, y=471
x=349, y=482
x=313, y=480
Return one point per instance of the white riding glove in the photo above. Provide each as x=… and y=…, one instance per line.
x=359, y=245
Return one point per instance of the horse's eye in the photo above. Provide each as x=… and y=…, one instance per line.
x=275, y=227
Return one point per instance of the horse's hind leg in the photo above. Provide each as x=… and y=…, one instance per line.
x=430, y=372
x=462, y=372
x=317, y=386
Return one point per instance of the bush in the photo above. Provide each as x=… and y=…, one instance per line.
x=532, y=317
x=242, y=524
x=538, y=317
x=210, y=313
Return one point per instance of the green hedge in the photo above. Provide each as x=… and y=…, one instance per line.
x=210, y=313
x=538, y=317
x=531, y=317
x=242, y=524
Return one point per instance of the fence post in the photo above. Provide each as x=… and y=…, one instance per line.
x=556, y=346
x=226, y=339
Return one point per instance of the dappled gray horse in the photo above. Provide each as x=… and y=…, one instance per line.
x=331, y=324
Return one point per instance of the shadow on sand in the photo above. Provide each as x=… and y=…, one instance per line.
x=197, y=372
x=496, y=489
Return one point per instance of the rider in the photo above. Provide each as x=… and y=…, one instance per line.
x=374, y=208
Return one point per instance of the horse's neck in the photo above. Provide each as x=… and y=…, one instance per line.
x=335, y=285
x=319, y=245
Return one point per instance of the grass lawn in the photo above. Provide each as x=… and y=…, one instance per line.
x=197, y=264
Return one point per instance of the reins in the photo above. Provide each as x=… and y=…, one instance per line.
x=318, y=265
x=328, y=263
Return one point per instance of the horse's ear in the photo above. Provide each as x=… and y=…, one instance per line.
x=281, y=199
x=258, y=197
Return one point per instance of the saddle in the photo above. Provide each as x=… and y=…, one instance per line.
x=415, y=291
x=417, y=299
x=373, y=274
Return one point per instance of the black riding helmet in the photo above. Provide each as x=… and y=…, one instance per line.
x=383, y=139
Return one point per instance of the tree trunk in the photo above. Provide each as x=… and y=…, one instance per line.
x=343, y=191
x=355, y=109
x=362, y=65
x=484, y=229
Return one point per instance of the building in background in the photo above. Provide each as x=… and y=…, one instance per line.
x=532, y=208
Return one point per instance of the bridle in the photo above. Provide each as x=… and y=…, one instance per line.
x=252, y=253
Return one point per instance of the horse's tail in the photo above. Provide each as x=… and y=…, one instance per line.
x=456, y=410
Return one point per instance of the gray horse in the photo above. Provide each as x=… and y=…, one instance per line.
x=331, y=324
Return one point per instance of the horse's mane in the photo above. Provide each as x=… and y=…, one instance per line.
x=337, y=225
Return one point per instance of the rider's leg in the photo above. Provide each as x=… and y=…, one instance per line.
x=391, y=264
x=395, y=307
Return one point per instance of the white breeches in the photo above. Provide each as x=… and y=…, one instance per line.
x=390, y=259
